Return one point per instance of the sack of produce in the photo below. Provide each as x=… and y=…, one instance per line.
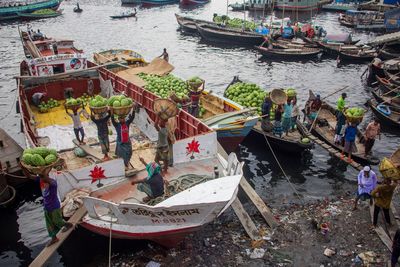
x=195, y=83
x=354, y=115
x=121, y=105
x=98, y=104
x=389, y=170
x=39, y=160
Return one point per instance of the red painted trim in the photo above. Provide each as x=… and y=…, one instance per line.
x=156, y=235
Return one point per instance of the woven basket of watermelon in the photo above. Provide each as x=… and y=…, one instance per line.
x=389, y=170
x=98, y=105
x=354, y=115
x=39, y=160
x=195, y=82
x=73, y=104
x=121, y=105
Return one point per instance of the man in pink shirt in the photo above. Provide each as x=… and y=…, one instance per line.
x=373, y=130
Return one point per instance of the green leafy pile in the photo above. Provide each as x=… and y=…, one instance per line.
x=45, y=11
x=235, y=22
x=40, y=156
x=355, y=112
x=164, y=85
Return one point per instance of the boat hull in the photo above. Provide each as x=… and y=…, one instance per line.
x=157, y=3
x=8, y=13
x=193, y=2
x=217, y=34
x=387, y=120
x=231, y=138
x=275, y=53
x=338, y=8
x=280, y=144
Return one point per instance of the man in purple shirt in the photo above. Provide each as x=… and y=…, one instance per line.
x=366, y=183
x=52, y=208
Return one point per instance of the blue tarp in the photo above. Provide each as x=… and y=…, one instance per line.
x=288, y=32
x=391, y=2
x=392, y=19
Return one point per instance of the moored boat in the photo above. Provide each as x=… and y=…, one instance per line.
x=124, y=15
x=334, y=48
x=357, y=55
x=158, y=2
x=229, y=35
x=386, y=113
x=124, y=58
x=387, y=86
x=297, y=53
x=324, y=129
x=193, y=2
x=362, y=20
x=188, y=24
x=297, y=6
x=38, y=15
x=339, y=7
x=385, y=97
x=10, y=10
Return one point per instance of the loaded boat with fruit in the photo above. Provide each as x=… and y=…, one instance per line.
x=231, y=121
x=325, y=124
x=202, y=182
x=250, y=95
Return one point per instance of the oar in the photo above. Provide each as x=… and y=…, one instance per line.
x=315, y=119
x=394, y=89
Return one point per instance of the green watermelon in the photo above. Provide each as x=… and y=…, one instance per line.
x=124, y=102
x=27, y=158
x=28, y=151
x=98, y=97
x=116, y=104
x=305, y=140
x=38, y=160
x=52, y=151
x=50, y=159
x=42, y=151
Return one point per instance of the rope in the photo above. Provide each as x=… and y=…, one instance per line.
x=280, y=166
x=109, y=243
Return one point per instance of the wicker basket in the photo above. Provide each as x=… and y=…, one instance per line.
x=195, y=85
x=389, y=170
x=165, y=108
x=73, y=107
x=354, y=119
x=98, y=110
x=122, y=111
x=278, y=96
x=40, y=170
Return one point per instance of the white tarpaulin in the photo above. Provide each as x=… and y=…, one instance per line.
x=106, y=87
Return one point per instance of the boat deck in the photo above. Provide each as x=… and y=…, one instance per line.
x=294, y=136
x=329, y=131
x=126, y=192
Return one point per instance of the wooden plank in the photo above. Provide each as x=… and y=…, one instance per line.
x=245, y=219
x=258, y=202
x=379, y=230
x=90, y=151
x=47, y=252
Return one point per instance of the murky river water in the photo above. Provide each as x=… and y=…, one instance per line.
x=315, y=174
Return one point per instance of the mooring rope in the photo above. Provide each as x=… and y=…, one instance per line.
x=109, y=243
x=284, y=173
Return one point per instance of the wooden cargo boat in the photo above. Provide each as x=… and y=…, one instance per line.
x=188, y=24
x=31, y=16
x=158, y=2
x=10, y=10
x=387, y=114
x=124, y=15
x=357, y=55
x=116, y=200
x=339, y=7
x=387, y=87
x=361, y=19
x=289, y=53
x=384, y=97
x=325, y=131
x=124, y=59
x=229, y=35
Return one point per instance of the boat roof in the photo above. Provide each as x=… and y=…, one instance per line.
x=386, y=38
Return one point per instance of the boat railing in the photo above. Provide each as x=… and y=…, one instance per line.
x=26, y=118
x=187, y=124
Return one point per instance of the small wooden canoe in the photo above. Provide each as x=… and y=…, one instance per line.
x=324, y=129
x=301, y=53
x=356, y=55
x=121, y=16
x=387, y=114
x=387, y=98
x=188, y=24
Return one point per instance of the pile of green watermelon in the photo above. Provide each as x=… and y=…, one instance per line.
x=85, y=99
x=355, y=112
x=45, y=11
x=246, y=94
x=290, y=92
x=73, y=102
x=235, y=22
x=197, y=81
x=40, y=156
x=164, y=85
x=98, y=101
x=46, y=106
x=117, y=101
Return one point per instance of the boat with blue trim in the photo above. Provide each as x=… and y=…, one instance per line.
x=158, y=2
x=193, y=2
x=10, y=11
x=386, y=113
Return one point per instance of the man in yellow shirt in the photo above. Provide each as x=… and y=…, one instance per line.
x=382, y=195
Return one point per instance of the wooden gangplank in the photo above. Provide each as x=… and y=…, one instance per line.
x=89, y=150
x=239, y=210
x=47, y=252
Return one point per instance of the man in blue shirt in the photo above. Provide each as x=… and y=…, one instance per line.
x=349, y=141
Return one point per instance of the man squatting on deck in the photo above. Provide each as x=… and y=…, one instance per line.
x=51, y=205
x=153, y=183
x=124, y=144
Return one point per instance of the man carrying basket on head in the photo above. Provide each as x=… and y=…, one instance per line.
x=101, y=121
x=124, y=144
x=194, y=95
